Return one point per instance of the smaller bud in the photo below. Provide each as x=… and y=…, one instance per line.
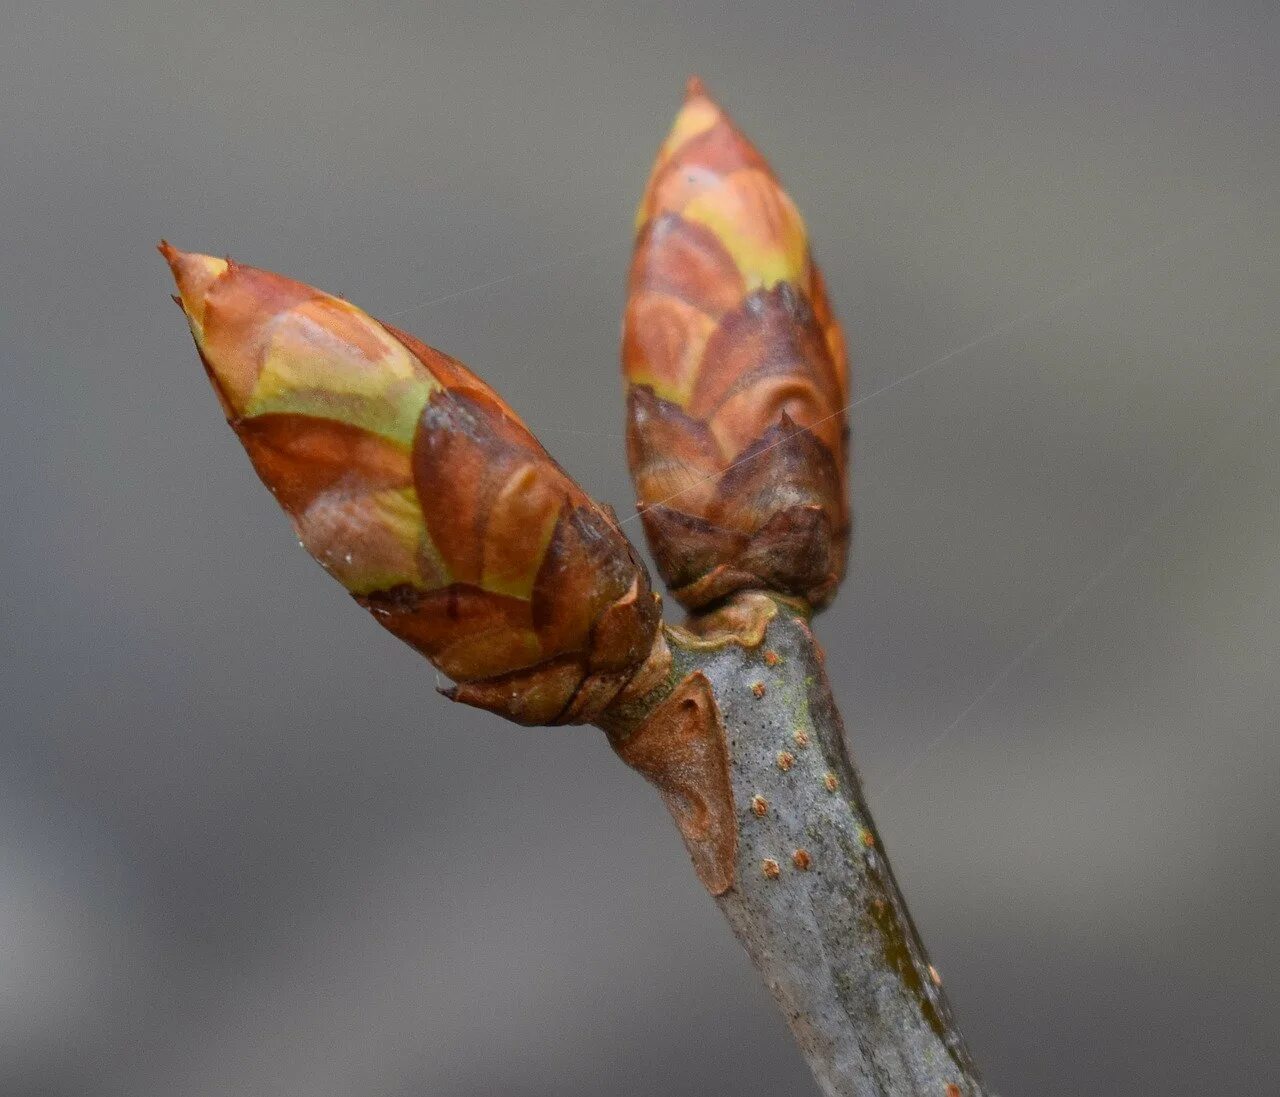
x=416, y=487
x=737, y=376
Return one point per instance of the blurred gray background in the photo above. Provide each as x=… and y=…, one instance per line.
x=244, y=847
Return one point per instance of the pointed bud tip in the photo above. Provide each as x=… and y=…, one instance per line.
x=194, y=274
x=694, y=88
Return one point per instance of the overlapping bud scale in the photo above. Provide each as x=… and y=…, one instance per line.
x=419, y=489
x=736, y=374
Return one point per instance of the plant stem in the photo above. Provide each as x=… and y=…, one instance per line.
x=813, y=899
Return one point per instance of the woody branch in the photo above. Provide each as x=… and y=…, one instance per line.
x=417, y=487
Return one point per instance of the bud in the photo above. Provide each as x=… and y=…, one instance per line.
x=737, y=380
x=416, y=487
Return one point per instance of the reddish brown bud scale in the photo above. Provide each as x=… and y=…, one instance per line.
x=737, y=375
x=416, y=486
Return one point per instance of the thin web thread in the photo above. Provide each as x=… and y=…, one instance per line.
x=549, y=264
x=1130, y=545
x=1037, y=313
x=1171, y=501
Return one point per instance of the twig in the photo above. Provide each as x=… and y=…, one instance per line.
x=811, y=895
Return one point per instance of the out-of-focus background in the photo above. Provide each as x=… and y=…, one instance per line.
x=244, y=847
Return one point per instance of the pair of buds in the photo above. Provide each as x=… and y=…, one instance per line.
x=416, y=486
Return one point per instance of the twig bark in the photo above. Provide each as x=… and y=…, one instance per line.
x=810, y=893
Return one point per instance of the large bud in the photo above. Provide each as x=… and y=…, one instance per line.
x=737, y=377
x=416, y=487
